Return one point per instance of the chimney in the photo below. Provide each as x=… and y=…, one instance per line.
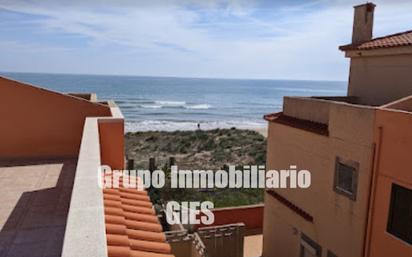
x=363, y=23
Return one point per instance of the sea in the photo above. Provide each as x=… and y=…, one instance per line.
x=170, y=103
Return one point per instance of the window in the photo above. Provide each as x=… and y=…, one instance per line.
x=346, y=178
x=308, y=248
x=400, y=213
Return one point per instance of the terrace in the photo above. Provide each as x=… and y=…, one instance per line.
x=52, y=205
x=35, y=197
x=326, y=116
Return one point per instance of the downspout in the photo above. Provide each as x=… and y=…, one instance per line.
x=371, y=200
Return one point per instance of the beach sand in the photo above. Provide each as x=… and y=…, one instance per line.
x=262, y=131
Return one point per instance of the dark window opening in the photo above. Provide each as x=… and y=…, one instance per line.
x=400, y=213
x=346, y=178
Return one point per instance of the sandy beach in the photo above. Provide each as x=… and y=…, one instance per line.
x=262, y=131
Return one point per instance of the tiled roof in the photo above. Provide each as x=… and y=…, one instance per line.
x=132, y=227
x=394, y=40
x=310, y=126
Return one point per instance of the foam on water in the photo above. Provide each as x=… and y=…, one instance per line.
x=199, y=106
x=170, y=105
x=150, y=106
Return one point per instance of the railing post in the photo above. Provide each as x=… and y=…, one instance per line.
x=240, y=239
x=130, y=164
x=152, y=164
x=172, y=161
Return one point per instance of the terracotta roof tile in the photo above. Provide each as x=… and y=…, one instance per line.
x=394, y=40
x=310, y=126
x=132, y=227
x=121, y=251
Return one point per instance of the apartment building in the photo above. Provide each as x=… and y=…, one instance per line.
x=355, y=202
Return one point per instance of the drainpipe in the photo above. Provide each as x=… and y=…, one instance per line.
x=371, y=200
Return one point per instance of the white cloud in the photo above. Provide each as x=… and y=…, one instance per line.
x=217, y=39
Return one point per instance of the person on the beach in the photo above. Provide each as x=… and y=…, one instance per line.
x=198, y=126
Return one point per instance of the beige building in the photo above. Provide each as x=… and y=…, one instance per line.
x=333, y=138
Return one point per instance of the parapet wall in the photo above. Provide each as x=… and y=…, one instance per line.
x=42, y=123
x=86, y=205
x=404, y=104
x=250, y=215
x=305, y=108
x=223, y=241
x=216, y=241
x=186, y=245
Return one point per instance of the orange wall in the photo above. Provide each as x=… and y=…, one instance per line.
x=393, y=166
x=111, y=132
x=40, y=123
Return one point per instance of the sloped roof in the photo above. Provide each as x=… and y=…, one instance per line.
x=132, y=227
x=310, y=126
x=394, y=40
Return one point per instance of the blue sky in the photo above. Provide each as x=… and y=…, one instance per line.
x=220, y=39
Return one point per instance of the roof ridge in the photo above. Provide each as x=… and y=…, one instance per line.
x=361, y=46
x=390, y=35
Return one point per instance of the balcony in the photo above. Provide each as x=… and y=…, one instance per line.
x=339, y=117
x=314, y=109
x=46, y=202
x=52, y=146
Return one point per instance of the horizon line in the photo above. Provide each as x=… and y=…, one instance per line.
x=165, y=76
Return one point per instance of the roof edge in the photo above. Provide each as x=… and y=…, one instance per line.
x=349, y=47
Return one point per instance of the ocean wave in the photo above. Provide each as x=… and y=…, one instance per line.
x=171, y=103
x=162, y=125
x=151, y=106
x=199, y=106
x=174, y=104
